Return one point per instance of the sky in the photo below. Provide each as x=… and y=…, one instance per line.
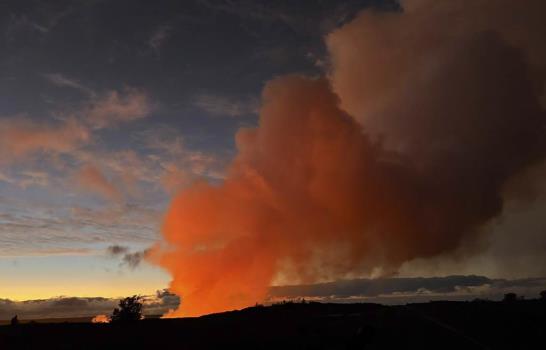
x=111, y=107
x=109, y=110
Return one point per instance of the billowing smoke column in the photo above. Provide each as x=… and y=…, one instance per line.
x=402, y=152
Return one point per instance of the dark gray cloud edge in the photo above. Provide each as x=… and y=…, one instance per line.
x=413, y=289
x=128, y=258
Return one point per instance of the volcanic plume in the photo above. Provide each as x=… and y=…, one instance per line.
x=400, y=152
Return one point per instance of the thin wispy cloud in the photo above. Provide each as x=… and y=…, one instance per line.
x=159, y=37
x=33, y=178
x=61, y=80
x=226, y=106
x=117, y=107
x=39, y=20
x=251, y=10
x=42, y=229
x=90, y=178
x=21, y=137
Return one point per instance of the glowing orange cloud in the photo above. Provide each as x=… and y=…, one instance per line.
x=437, y=127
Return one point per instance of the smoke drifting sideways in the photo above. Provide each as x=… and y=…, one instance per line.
x=401, y=152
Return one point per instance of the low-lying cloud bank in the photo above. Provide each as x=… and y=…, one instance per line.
x=407, y=290
x=67, y=307
x=381, y=290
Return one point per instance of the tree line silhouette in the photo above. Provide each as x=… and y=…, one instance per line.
x=130, y=308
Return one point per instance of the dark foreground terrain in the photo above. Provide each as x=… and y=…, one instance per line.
x=439, y=325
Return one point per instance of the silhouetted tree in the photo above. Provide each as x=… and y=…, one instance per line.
x=14, y=321
x=543, y=295
x=130, y=309
x=510, y=297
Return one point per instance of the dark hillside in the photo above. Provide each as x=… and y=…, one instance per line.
x=444, y=325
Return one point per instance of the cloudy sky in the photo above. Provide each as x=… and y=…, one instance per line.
x=108, y=109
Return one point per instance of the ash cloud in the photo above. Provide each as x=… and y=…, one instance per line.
x=402, y=152
x=115, y=250
x=132, y=260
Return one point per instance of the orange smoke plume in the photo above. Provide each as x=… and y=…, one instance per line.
x=312, y=196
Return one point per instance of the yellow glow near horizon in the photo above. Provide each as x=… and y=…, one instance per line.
x=107, y=287
x=47, y=292
x=32, y=278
